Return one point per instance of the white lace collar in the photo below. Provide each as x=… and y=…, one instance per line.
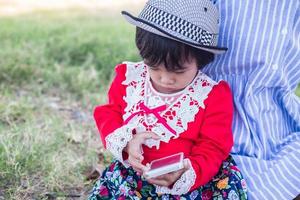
x=177, y=115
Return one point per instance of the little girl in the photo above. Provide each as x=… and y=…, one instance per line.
x=165, y=105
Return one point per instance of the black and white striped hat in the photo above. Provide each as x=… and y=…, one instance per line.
x=193, y=22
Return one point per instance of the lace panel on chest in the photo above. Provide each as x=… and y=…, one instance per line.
x=181, y=108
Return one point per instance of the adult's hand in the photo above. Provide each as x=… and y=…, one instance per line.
x=134, y=150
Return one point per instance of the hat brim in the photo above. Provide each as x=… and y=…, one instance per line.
x=156, y=30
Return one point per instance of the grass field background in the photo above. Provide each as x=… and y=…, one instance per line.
x=54, y=68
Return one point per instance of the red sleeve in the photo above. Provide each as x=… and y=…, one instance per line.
x=108, y=117
x=215, y=139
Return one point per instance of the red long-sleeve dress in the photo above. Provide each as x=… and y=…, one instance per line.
x=195, y=121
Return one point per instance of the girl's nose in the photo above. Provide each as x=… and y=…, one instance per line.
x=167, y=79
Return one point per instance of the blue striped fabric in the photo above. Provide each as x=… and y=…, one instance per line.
x=262, y=66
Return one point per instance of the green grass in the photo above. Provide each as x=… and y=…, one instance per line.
x=298, y=91
x=54, y=68
x=76, y=52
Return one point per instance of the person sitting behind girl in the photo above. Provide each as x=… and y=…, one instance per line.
x=164, y=105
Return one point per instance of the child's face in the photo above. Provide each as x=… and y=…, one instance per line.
x=173, y=81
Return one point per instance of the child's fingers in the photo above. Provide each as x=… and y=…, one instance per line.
x=137, y=155
x=170, y=178
x=165, y=180
x=137, y=166
x=161, y=182
x=148, y=135
x=135, y=160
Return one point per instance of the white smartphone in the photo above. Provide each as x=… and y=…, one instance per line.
x=165, y=165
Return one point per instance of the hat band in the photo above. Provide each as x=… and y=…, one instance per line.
x=178, y=25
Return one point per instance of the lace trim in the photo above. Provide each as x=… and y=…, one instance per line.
x=117, y=141
x=179, y=113
x=182, y=185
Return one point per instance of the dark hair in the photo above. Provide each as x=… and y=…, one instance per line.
x=156, y=49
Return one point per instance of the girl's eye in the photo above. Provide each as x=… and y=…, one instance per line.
x=179, y=72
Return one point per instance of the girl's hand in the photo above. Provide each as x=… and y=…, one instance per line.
x=134, y=150
x=169, y=179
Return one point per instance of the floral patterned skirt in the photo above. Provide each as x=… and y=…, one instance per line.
x=118, y=182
